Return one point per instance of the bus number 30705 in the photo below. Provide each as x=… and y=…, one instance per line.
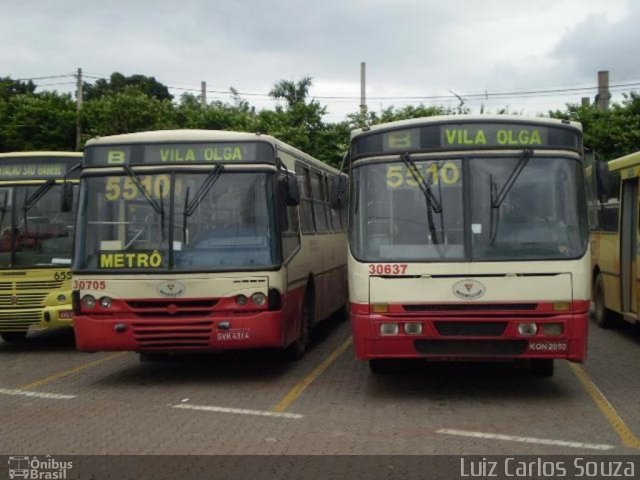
x=89, y=284
x=388, y=269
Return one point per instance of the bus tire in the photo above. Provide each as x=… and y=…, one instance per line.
x=541, y=367
x=14, y=337
x=297, y=349
x=382, y=366
x=149, y=357
x=604, y=318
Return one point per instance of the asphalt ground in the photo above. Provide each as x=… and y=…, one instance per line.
x=57, y=401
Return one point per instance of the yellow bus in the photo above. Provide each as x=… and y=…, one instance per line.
x=614, y=242
x=468, y=239
x=204, y=240
x=38, y=197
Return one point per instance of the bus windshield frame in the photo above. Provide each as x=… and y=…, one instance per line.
x=475, y=225
x=33, y=227
x=186, y=217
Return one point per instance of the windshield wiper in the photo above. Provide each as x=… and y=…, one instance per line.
x=157, y=207
x=498, y=199
x=37, y=195
x=191, y=206
x=513, y=176
x=433, y=204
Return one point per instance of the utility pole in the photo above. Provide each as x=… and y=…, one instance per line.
x=363, y=87
x=78, y=109
x=203, y=93
x=603, y=96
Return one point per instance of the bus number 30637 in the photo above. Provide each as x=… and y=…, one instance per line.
x=388, y=269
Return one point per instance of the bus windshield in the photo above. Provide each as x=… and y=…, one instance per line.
x=518, y=208
x=34, y=232
x=216, y=220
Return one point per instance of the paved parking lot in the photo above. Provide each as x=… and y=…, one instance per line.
x=54, y=400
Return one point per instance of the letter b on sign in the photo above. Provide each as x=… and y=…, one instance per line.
x=116, y=157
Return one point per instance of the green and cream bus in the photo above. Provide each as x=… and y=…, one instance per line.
x=38, y=197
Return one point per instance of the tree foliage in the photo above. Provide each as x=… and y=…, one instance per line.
x=118, y=83
x=47, y=120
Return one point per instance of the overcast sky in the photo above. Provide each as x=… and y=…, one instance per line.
x=413, y=48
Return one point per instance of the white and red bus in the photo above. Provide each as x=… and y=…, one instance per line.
x=204, y=240
x=468, y=239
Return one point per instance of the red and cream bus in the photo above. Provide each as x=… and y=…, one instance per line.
x=204, y=240
x=468, y=239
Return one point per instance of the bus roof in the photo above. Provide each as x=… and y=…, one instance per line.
x=40, y=154
x=465, y=118
x=193, y=135
x=623, y=162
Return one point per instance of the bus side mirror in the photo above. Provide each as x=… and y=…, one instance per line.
x=339, y=192
x=291, y=190
x=603, y=180
x=66, y=202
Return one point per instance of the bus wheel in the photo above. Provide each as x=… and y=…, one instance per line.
x=381, y=366
x=541, y=367
x=296, y=350
x=602, y=316
x=148, y=357
x=14, y=337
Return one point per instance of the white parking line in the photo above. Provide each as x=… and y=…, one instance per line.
x=24, y=393
x=241, y=411
x=511, y=438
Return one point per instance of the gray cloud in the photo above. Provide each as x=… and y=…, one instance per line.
x=411, y=47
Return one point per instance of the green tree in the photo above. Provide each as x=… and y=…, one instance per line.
x=10, y=88
x=612, y=133
x=42, y=121
x=292, y=92
x=130, y=110
x=118, y=83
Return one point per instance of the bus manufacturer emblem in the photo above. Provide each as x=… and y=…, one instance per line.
x=171, y=289
x=469, y=289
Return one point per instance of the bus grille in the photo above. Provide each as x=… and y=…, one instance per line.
x=471, y=307
x=172, y=308
x=472, y=348
x=31, y=285
x=164, y=335
x=23, y=300
x=470, y=329
x=18, y=321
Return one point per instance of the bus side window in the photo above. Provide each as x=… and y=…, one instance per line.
x=291, y=229
x=334, y=215
x=306, y=202
x=610, y=210
x=319, y=202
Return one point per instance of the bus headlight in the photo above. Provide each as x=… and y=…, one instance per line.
x=88, y=301
x=527, y=329
x=62, y=298
x=259, y=299
x=105, y=302
x=413, y=328
x=388, y=329
x=241, y=300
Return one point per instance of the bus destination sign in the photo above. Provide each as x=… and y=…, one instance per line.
x=468, y=136
x=177, y=153
x=35, y=168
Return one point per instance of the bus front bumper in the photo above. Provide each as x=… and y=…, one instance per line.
x=469, y=338
x=36, y=319
x=162, y=333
